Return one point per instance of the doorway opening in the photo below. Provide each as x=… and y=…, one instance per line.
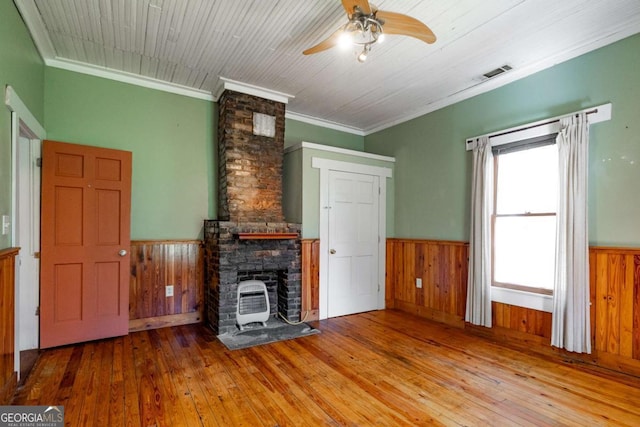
x=26, y=137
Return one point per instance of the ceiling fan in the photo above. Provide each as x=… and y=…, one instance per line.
x=367, y=25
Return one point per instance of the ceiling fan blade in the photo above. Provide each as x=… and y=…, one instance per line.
x=397, y=23
x=325, y=44
x=350, y=5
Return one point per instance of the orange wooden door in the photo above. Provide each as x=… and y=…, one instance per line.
x=85, y=240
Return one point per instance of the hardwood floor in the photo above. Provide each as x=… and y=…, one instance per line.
x=380, y=368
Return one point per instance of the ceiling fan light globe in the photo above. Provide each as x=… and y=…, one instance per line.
x=345, y=40
x=381, y=38
x=362, y=57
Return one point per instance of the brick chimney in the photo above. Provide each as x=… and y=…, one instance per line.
x=250, y=164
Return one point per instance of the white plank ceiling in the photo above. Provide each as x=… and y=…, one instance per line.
x=187, y=45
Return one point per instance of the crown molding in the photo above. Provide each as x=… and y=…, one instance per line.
x=249, y=89
x=38, y=30
x=126, y=77
x=323, y=123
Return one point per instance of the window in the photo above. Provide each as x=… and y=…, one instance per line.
x=524, y=219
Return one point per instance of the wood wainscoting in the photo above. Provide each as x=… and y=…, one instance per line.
x=615, y=307
x=442, y=266
x=156, y=264
x=310, y=263
x=522, y=319
x=8, y=375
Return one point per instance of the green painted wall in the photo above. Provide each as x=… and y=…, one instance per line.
x=433, y=169
x=301, y=185
x=171, y=137
x=302, y=192
x=23, y=69
x=292, y=187
x=296, y=132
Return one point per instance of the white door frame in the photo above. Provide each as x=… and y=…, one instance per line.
x=24, y=123
x=326, y=165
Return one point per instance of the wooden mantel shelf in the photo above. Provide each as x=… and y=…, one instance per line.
x=267, y=236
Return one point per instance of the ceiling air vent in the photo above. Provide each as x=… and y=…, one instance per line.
x=493, y=73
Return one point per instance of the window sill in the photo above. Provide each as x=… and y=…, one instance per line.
x=522, y=299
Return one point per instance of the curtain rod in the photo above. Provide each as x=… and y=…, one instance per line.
x=533, y=126
x=599, y=113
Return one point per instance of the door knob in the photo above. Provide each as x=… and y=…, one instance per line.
x=332, y=251
x=122, y=252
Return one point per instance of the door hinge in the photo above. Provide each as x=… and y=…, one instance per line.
x=379, y=190
x=38, y=311
x=36, y=255
x=39, y=162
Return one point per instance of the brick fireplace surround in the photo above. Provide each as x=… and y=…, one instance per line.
x=250, y=239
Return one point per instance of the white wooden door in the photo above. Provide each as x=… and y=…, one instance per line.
x=353, y=243
x=28, y=239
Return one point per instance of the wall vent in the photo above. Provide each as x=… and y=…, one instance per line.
x=500, y=70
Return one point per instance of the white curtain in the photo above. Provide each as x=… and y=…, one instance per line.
x=479, y=281
x=571, y=322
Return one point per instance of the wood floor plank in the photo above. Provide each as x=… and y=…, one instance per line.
x=83, y=379
x=485, y=393
x=117, y=385
x=285, y=387
x=157, y=399
x=378, y=368
x=96, y=389
x=561, y=375
x=175, y=373
x=181, y=410
x=442, y=381
x=352, y=365
x=232, y=399
x=551, y=374
x=203, y=402
x=216, y=409
x=47, y=374
x=243, y=372
x=334, y=394
x=131, y=413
